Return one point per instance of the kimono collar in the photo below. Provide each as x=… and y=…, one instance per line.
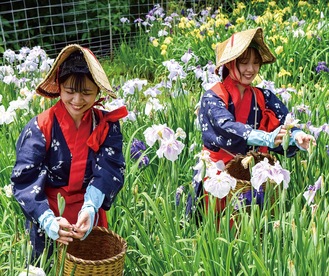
x=98, y=136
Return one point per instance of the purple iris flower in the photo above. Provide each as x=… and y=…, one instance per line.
x=259, y=196
x=136, y=151
x=137, y=148
x=144, y=162
x=228, y=25
x=322, y=66
x=247, y=197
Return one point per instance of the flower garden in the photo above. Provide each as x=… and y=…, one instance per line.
x=160, y=78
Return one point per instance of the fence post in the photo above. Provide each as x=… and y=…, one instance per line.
x=110, y=26
x=3, y=36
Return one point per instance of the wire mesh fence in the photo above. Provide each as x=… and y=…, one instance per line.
x=53, y=24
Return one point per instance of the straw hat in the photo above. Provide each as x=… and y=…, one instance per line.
x=49, y=86
x=233, y=47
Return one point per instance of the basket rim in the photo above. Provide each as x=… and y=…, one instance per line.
x=113, y=259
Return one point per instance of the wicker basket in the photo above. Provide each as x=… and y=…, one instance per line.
x=101, y=253
x=241, y=174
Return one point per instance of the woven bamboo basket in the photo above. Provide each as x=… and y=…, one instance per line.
x=242, y=175
x=101, y=253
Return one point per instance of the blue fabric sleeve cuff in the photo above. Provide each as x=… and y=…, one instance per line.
x=49, y=223
x=262, y=138
x=93, y=197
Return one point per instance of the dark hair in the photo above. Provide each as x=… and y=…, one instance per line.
x=78, y=80
x=245, y=56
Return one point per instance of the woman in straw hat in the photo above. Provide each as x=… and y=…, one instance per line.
x=72, y=149
x=236, y=117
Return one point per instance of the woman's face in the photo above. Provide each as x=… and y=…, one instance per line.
x=246, y=67
x=78, y=102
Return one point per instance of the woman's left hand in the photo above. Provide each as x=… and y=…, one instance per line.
x=303, y=140
x=83, y=225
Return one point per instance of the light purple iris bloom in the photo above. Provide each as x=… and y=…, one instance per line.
x=311, y=192
x=124, y=20
x=220, y=184
x=317, y=130
x=264, y=171
x=175, y=69
x=170, y=148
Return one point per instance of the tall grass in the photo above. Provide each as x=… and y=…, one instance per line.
x=286, y=237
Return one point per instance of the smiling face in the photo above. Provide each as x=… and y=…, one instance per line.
x=246, y=67
x=78, y=93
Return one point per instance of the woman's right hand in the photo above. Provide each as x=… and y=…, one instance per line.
x=65, y=231
x=279, y=137
x=57, y=228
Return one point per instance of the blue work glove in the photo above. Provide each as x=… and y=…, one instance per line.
x=49, y=223
x=93, y=200
x=263, y=138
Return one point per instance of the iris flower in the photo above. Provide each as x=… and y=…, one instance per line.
x=152, y=91
x=175, y=69
x=179, y=192
x=322, y=66
x=131, y=85
x=264, y=171
x=205, y=167
x=170, y=147
x=311, y=192
x=136, y=151
x=188, y=56
x=290, y=121
x=220, y=184
x=153, y=104
x=137, y=148
x=156, y=133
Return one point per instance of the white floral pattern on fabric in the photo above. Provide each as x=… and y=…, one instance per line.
x=55, y=144
x=204, y=127
x=35, y=189
x=109, y=151
x=58, y=166
x=115, y=128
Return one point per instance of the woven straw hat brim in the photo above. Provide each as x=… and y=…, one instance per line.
x=49, y=87
x=233, y=47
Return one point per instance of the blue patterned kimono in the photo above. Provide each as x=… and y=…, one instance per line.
x=37, y=169
x=220, y=130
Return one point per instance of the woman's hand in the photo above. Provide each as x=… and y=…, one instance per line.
x=65, y=231
x=279, y=137
x=83, y=225
x=303, y=140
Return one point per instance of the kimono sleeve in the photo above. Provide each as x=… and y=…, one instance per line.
x=219, y=127
x=29, y=173
x=108, y=170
